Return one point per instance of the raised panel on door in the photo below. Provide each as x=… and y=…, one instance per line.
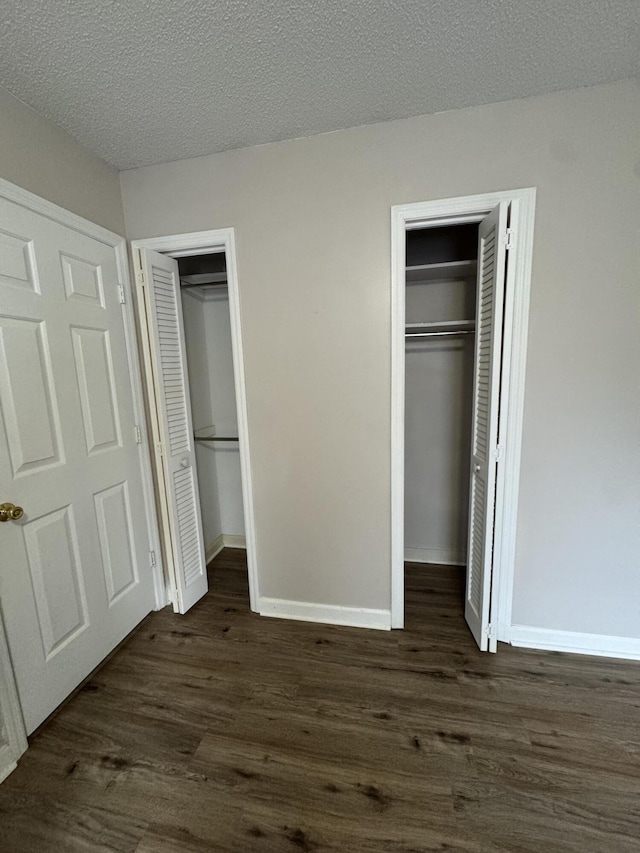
x=82, y=280
x=53, y=557
x=17, y=262
x=119, y=563
x=97, y=388
x=75, y=577
x=27, y=393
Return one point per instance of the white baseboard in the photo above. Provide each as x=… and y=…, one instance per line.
x=213, y=549
x=434, y=555
x=602, y=645
x=225, y=540
x=330, y=614
x=232, y=540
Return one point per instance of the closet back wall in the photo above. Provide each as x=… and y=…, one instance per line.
x=312, y=220
x=438, y=401
x=438, y=404
x=212, y=393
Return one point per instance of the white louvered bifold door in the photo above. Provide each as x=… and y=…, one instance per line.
x=166, y=339
x=486, y=399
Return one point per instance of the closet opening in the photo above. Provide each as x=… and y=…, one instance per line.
x=460, y=295
x=192, y=351
x=207, y=334
x=440, y=321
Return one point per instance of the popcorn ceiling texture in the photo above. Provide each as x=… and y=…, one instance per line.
x=148, y=81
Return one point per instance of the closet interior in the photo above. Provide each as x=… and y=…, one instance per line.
x=207, y=333
x=441, y=274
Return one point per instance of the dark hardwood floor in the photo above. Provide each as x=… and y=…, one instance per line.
x=224, y=731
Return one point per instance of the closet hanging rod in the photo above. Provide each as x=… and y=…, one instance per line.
x=187, y=285
x=216, y=438
x=438, y=334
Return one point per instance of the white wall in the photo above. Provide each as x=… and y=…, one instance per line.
x=313, y=237
x=38, y=156
x=211, y=384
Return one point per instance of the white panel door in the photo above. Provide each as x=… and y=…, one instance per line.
x=484, y=439
x=75, y=575
x=161, y=283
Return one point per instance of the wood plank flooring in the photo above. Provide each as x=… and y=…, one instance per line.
x=225, y=731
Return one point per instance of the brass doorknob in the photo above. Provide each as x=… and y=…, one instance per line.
x=10, y=512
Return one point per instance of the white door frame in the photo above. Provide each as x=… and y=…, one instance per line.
x=48, y=209
x=516, y=320
x=201, y=243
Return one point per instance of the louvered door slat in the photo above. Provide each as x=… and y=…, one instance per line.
x=174, y=416
x=489, y=311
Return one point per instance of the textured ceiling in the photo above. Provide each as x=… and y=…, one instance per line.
x=145, y=82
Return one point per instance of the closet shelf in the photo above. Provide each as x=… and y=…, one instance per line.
x=204, y=280
x=451, y=270
x=449, y=327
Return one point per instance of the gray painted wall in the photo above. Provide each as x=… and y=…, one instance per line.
x=38, y=156
x=313, y=237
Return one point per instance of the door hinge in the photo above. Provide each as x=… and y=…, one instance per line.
x=152, y=558
x=491, y=631
x=498, y=453
x=140, y=277
x=159, y=448
x=509, y=238
x=121, y=295
x=138, y=434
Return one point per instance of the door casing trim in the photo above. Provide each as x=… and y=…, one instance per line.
x=516, y=321
x=204, y=242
